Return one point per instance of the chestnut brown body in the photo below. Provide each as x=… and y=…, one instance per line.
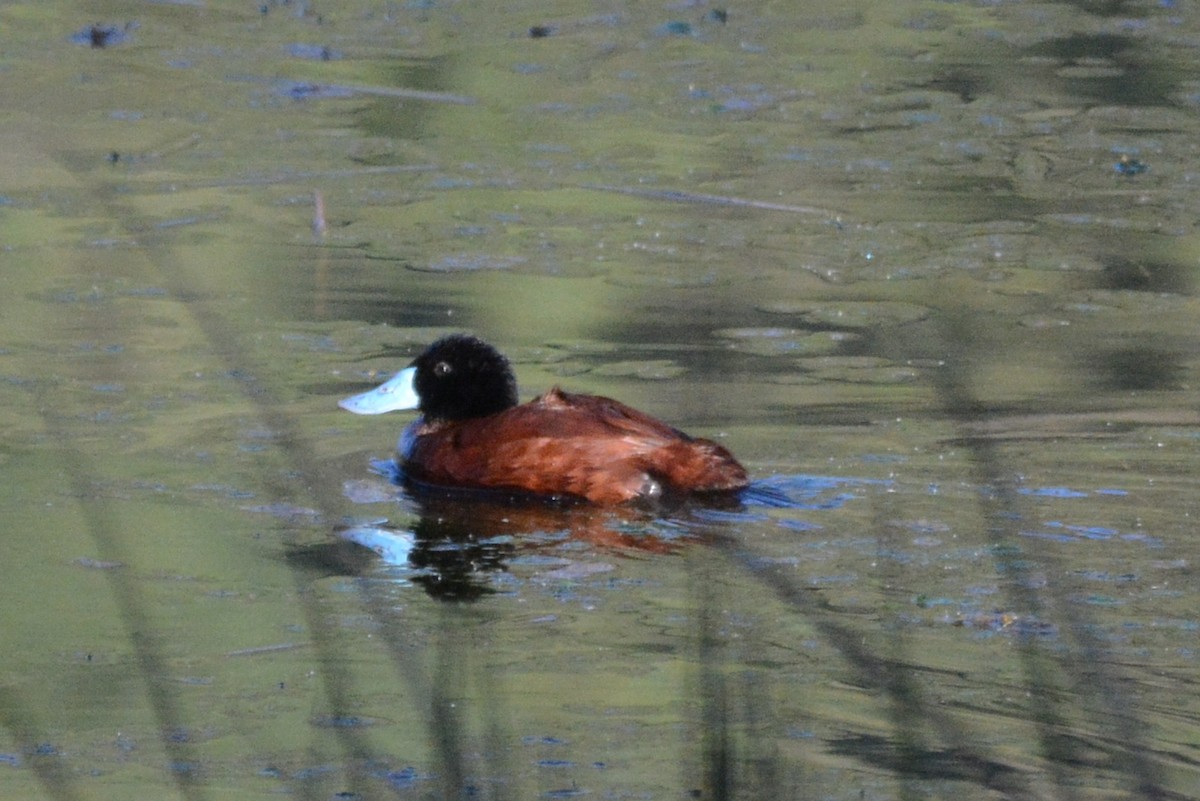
x=577, y=445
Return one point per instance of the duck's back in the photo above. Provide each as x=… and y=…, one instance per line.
x=579, y=445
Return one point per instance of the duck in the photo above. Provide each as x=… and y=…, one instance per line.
x=473, y=434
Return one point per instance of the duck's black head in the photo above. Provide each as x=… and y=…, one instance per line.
x=456, y=378
x=460, y=377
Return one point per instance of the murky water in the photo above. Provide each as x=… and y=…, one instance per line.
x=928, y=269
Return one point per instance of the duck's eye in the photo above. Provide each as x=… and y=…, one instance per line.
x=442, y=369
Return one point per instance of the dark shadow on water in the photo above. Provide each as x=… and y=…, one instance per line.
x=1144, y=368
x=1140, y=78
x=1146, y=275
x=922, y=764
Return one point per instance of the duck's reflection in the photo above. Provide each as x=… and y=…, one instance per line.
x=455, y=549
x=457, y=544
x=460, y=546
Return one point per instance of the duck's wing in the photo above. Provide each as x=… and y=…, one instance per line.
x=581, y=445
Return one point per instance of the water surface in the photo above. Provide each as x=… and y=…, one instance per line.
x=927, y=269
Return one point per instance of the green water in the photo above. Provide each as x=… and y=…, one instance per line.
x=926, y=268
